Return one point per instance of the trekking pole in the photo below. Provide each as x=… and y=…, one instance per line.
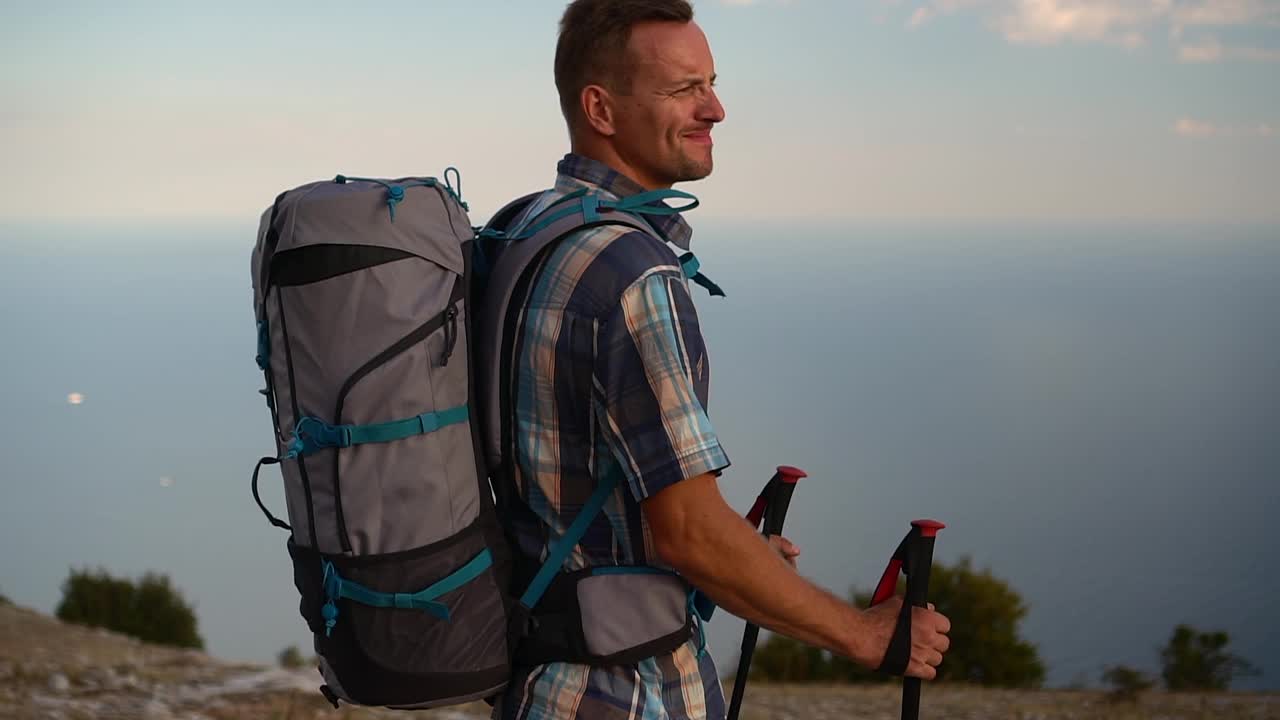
x=914, y=557
x=771, y=505
x=920, y=562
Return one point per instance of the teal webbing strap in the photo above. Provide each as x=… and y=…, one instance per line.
x=562, y=548
x=704, y=605
x=551, y=217
x=690, y=265
x=645, y=203
x=591, y=205
x=336, y=587
x=313, y=434
x=591, y=208
x=698, y=622
x=400, y=429
x=649, y=203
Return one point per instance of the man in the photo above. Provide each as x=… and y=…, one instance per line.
x=613, y=376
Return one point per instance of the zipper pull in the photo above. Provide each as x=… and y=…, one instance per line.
x=450, y=334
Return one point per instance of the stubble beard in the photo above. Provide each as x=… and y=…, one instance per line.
x=689, y=169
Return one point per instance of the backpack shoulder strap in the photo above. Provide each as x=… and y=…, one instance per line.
x=522, y=246
x=523, y=243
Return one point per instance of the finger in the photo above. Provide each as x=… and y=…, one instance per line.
x=784, y=547
x=943, y=625
x=942, y=643
x=921, y=670
x=930, y=606
x=932, y=619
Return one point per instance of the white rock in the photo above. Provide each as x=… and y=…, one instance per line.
x=94, y=678
x=156, y=710
x=112, y=681
x=59, y=683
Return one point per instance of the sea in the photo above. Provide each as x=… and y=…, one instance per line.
x=1092, y=409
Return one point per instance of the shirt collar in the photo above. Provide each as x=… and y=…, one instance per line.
x=575, y=171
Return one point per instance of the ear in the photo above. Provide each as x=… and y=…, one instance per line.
x=597, y=109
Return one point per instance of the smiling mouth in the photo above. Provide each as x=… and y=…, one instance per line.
x=701, y=136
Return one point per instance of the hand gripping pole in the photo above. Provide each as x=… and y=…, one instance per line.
x=914, y=558
x=771, y=506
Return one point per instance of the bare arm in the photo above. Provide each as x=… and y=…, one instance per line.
x=697, y=533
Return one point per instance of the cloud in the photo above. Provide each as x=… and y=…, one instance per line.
x=1187, y=127
x=1191, y=128
x=1255, y=54
x=1047, y=22
x=1124, y=23
x=921, y=16
x=1224, y=13
x=1210, y=50
x=1206, y=51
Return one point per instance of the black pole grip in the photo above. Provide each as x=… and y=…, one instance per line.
x=778, y=491
x=918, y=567
x=784, y=482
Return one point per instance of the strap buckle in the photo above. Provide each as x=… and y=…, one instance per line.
x=313, y=434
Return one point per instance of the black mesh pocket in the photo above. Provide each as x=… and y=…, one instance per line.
x=308, y=579
x=414, y=640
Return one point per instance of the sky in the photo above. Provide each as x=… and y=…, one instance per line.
x=1048, y=365
x=941, y=110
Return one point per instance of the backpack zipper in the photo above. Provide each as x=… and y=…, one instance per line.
x=418, y=335
x=450, y=333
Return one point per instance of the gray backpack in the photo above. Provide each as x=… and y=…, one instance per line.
x=377, y=369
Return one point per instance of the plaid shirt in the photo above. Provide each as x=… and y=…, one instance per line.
x=612, y=377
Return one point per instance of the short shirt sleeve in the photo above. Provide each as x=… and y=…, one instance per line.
x=651, y=384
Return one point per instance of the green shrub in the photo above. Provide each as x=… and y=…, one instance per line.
x=151, y=609
x=291, y=658
x=1194, y=660
x=1126, y=683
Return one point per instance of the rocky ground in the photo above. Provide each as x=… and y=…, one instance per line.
x=49, y=669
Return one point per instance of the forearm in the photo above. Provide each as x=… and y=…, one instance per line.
x=724, y=557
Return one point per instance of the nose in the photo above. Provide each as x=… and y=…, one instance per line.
x=710, y=110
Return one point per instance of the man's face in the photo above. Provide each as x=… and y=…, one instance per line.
x=664, y=123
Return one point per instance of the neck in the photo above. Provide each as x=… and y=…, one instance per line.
x=605, y=152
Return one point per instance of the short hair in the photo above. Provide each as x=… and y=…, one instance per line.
x=593, y=39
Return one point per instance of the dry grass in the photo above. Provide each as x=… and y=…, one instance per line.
x=795, y=702
x=50, y=670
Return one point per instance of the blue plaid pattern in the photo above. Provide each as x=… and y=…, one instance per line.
x=612, y=377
